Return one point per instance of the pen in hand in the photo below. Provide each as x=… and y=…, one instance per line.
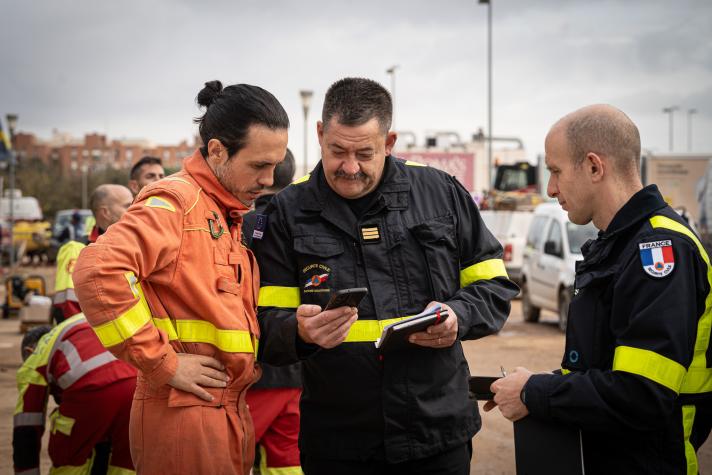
x=504, y=373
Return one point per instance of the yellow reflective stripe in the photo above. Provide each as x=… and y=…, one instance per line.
x=411, y=163
x=565, y=371
x=114, y=470
x=126, y=325
x=73, y=469
x=302, y=179
x=201, y=331
x=166, y=325
x=368, y=330
x=276, y=296
x=61, y=423
x=688, y=419
x=484, y=270
x=650, y=365
x=265, y=470
x=699, y=377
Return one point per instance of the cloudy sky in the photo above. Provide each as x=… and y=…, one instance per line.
x=132, y=68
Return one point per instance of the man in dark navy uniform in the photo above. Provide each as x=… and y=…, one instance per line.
x=635, y=377
x=413, y=236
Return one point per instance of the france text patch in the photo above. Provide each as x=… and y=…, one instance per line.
x=657, y=258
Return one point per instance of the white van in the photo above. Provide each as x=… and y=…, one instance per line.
x=510, y=228
x=548, y=266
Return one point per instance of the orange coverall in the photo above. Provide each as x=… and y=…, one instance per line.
x=173, y=277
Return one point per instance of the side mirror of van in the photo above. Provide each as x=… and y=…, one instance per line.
x=552, y=248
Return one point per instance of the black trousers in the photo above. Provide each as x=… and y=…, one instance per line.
x=451, y=462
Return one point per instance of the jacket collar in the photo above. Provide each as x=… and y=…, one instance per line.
x=392, y=194
x=638, y=208
x=198, y=168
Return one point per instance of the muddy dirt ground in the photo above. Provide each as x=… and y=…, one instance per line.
x=536, y=346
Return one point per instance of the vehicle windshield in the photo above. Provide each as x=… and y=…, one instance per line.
x=63, y=219
x=578, y=235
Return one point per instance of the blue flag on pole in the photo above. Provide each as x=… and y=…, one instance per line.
x=5, y=144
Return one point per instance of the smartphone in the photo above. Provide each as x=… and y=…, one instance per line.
x=346, y=298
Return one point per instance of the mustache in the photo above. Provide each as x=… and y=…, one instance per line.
x=347, y=176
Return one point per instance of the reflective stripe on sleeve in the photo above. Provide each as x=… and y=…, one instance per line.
x=28, y=419
x=565, y=371
x=699, y=377
x=77, y=367
x=650, y=365
x=201, y=331
x=484, y=270
x=275, y=296
x=368, y=330
x=126, y=325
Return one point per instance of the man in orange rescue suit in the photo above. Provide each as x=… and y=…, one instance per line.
x=108, y=203
x=172, y=290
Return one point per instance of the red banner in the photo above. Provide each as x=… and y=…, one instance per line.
x=459, y=164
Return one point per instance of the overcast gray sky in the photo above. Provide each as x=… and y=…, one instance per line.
x=132, y=68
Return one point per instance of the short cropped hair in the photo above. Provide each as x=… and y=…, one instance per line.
x=608, y=134
x=355, y=101
x=147, y=160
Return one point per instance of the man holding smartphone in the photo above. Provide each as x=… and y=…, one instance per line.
x=413, y=236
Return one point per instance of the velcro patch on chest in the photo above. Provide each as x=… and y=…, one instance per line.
x=657, y=258
x=370, y=234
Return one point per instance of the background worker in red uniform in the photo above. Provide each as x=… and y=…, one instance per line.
x=144, y=172
x=108, y=203
x=93, y=390
x=172, y=289
x=274, y=399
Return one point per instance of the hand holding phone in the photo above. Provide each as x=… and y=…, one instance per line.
x=346, y=298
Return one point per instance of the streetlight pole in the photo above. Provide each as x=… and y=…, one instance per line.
x=670, y=111
x=11, y=123
x=689, y=128
x=489, y=89
x=392, y=72
x=306, y=96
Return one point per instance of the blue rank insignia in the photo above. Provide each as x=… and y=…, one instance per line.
x=657, y=258
x=260, y=226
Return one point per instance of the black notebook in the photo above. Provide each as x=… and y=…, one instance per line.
x=395, y=336
x=547, y=448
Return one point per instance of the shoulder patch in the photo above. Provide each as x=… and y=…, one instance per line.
x=657, y=258
x=156, y=202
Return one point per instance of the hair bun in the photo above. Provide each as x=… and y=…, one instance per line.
x=208, y=94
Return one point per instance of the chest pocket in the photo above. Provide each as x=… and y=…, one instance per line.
x=318, y=267
x=229, y=269
x=438, y=242
x=589, y=339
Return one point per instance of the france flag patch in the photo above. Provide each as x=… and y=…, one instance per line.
x=657, y=258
